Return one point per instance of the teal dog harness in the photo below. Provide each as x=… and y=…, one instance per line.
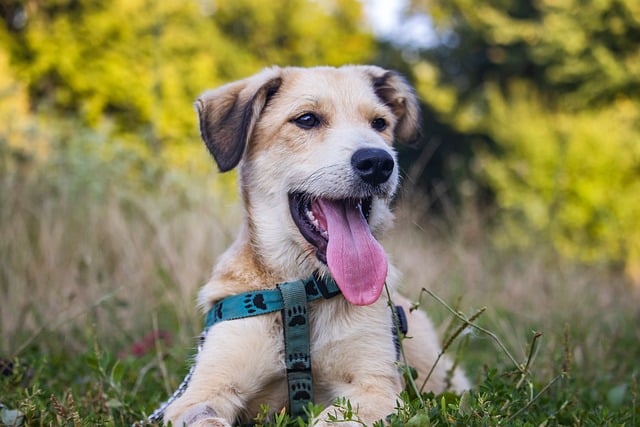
x=291, y=299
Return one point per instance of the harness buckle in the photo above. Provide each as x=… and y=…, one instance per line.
x=327, y=291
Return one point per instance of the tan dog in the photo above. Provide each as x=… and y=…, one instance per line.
x=317, y=173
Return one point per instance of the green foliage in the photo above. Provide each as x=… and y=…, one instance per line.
x=571, y=178
x=93, y=388
x=136, y=66
x=585, y=52
x=547, y=95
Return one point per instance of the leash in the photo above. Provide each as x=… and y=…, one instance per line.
x=291, y=299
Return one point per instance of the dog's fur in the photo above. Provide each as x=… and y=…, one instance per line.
x=255, y=123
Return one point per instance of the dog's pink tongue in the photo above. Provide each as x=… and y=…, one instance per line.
x=356, y=260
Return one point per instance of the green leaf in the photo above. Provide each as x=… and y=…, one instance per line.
x=465, y=406
x=421, y=419
x=117, y=372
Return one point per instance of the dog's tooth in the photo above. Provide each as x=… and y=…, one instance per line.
x=314, y=221
x=310, y=216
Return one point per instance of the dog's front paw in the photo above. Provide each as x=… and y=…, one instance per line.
x=201, y=415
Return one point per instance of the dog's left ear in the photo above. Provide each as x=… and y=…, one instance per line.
x=398, y=95
x=228, y=115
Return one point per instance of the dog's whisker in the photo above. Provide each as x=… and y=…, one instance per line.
x=303, y=257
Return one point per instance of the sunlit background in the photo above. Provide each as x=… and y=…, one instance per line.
x=522, y=196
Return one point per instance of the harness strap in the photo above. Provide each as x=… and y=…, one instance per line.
x=251, y=304
x=295, y=323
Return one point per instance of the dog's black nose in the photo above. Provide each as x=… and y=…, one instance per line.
x=373, y=165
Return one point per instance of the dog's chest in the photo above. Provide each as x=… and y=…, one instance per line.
x=344, y=336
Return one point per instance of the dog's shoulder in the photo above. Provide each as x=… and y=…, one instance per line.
x=236, y=271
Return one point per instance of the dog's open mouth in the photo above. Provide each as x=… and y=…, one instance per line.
x=339, y=231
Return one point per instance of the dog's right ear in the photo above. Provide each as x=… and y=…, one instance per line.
x=228, y=115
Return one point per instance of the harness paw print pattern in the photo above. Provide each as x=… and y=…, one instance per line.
x=254, y=303
x=218, y=312
x=297, y=315
x=311, y=289
x=298, y=361
x=301, y=391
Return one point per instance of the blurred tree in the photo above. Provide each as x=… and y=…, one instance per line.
x=136, y=66
x=547, y=95
x=586, y=51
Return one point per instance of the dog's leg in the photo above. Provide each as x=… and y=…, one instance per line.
x=238, y=359
x=371, y=399
x=358, y=365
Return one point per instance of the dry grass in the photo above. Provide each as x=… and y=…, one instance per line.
x=77, y=260
x=523, y=290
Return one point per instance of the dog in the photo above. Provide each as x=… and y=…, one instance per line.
x=317, y=172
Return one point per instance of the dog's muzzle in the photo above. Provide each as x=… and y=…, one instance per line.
x=338, y=228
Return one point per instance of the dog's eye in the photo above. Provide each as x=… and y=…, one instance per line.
x=379, y=124
x=307, y=121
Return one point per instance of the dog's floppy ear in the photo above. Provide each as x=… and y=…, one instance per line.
x=396, y=93
x=228, y=115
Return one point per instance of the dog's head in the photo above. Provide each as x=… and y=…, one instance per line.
x=317, y=165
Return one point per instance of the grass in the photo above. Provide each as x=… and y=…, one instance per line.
x=100, y=264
